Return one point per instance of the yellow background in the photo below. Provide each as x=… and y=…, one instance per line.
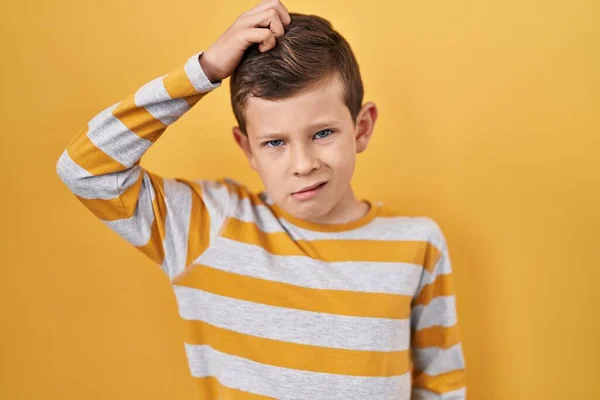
x=489, y=123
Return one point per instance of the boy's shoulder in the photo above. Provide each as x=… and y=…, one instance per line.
x=233, y=188
x=420, y=227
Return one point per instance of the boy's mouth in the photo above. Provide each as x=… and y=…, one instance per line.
x=309, y=191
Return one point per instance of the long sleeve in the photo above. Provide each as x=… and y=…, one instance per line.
x=170, y=220
x=438, y=361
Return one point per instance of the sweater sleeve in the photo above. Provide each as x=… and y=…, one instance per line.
x=170, y=220
x=437, y=356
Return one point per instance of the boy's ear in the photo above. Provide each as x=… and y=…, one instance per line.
x=242, y=140
x=365, y=122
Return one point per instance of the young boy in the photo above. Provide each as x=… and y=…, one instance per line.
x=302, y=291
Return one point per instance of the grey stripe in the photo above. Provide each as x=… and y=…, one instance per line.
x=137, y=229
x=153, y=96
x=295, y=326
x=289, y=384
x=111, y=136
x=197, y=77
x=439, y=361
x=250, y=260
x=217, y=200
x=390, y=229
x=82, y=183
x=178, y=199
x=260, y=214
x=441, y=311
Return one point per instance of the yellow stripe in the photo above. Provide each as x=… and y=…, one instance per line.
x=279, y=243
x=242, y=192
x=442, y=286
x=89, y=157
x=443, y=383
x=118, y=207
x=199, y=228
x=436, y=336
x=178, y=85
x=192, y=100
x=277, y=294
x=297, y=356
x=139, y=120
x=210, y=388
x=154, y=248
x=107, y=210
x=232, y=188
x=130, y=196
x=432, y=256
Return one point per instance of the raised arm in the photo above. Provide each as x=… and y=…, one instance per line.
x=170, y=220
x=101, y=166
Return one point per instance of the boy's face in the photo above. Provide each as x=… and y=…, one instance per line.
x=305, y=141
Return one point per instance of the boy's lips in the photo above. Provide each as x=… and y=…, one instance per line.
x=309, y=191
x=308, y=188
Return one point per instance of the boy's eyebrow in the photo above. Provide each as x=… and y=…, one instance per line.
x=270, y=136
x=313, y=127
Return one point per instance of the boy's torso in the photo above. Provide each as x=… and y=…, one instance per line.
x=285, y=311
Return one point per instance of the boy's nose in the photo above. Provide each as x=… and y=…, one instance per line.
x=304, y=162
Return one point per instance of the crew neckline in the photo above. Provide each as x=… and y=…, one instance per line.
x=337, y=227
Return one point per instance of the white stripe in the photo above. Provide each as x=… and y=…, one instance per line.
x=82, y=183
x=153, y=96
x=287, y=384
x=137, y=229
x=260, y=214
x=197, y=77
x=217, y=200
x=178, y=199
x=441, y=311
x=111, y=136
x=434, y=361
x=381, y=228
x=421, y=394
x=250, y=260
x=88, y=186
x=294, y=326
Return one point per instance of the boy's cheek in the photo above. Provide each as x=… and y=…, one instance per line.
x=342, y=158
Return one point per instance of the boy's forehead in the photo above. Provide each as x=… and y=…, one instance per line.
x=319, y=103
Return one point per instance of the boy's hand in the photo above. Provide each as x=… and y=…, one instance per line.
x=262, y=24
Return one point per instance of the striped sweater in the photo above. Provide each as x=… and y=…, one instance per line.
x=274, y=307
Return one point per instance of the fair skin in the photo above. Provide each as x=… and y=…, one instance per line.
x=301, y=141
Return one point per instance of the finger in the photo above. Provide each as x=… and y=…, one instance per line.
x=269, y=43
x=263, y=36
x=284, y=14
x=277, y=5
x=265, y=19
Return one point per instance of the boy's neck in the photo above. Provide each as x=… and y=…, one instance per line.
x=348, y=209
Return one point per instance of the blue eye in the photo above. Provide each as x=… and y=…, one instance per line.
x=323, y=134
x=273, y=143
